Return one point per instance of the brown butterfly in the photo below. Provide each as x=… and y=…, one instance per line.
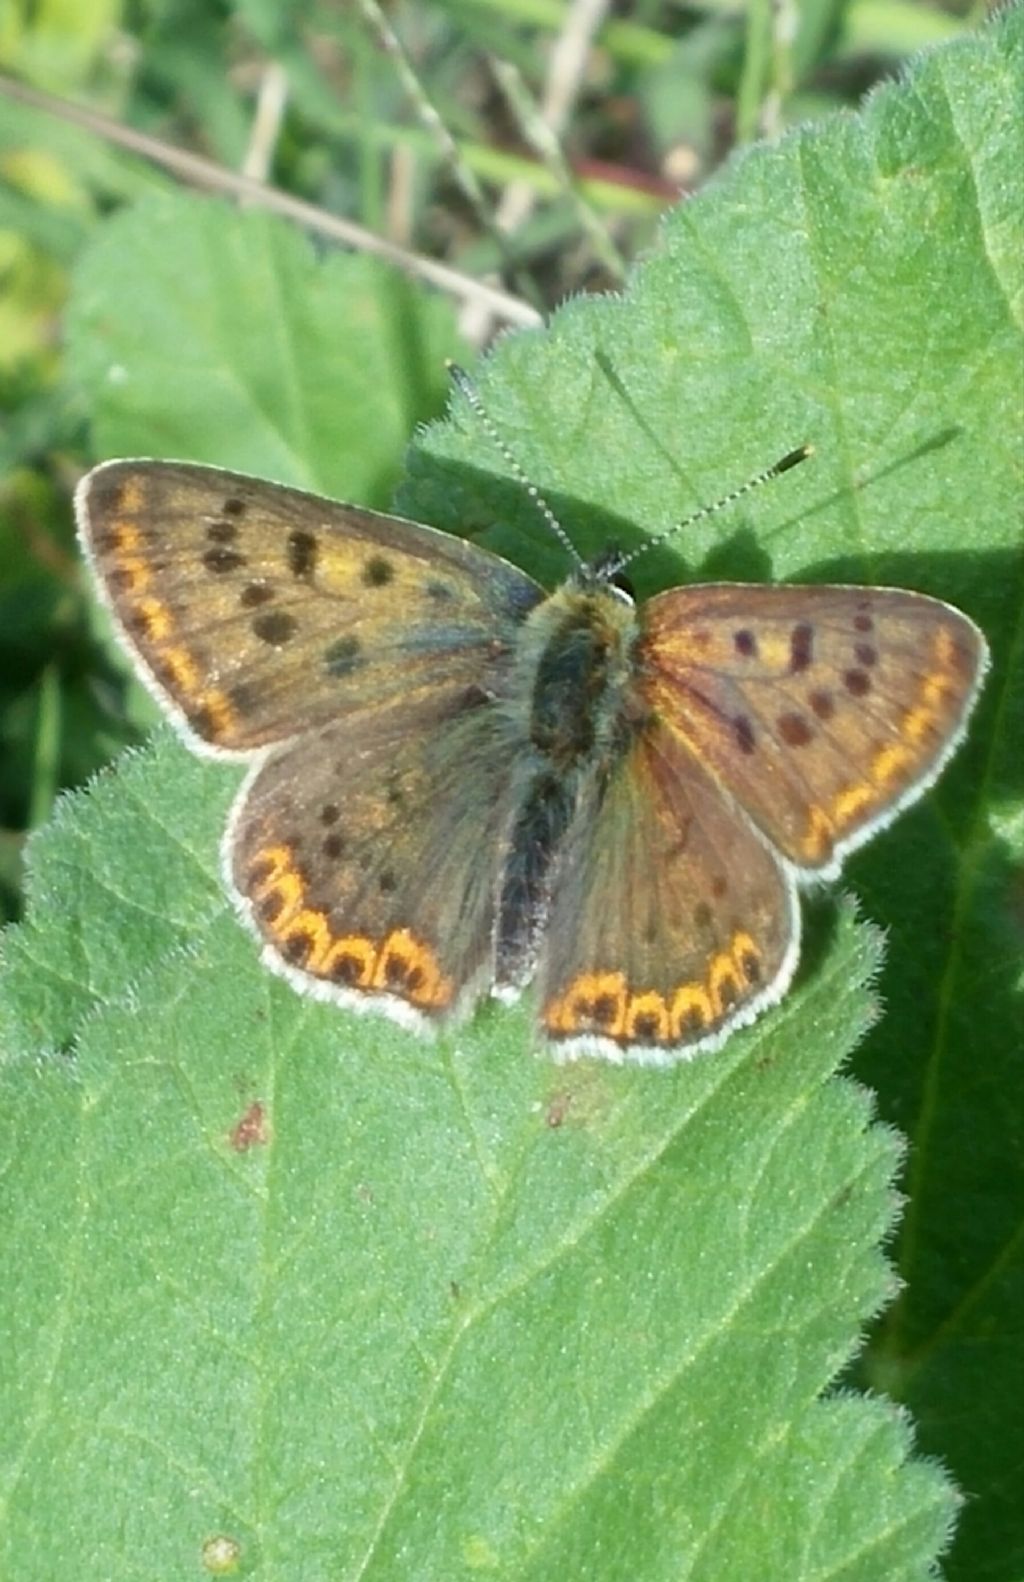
x=461, y=783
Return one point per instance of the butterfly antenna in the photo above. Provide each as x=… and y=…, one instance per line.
x=792, y=459
x=465, y=385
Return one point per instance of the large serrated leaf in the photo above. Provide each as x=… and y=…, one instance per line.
x=399, y=1309
x=371, y=1308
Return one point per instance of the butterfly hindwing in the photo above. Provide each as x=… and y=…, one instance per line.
x=367, y=855
x=821, y=711
x=251, y=606
x=671, y=920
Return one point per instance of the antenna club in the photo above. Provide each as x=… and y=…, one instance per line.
x=792, y=459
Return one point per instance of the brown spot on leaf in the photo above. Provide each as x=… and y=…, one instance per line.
x=557, y=1110
x=251, y=1131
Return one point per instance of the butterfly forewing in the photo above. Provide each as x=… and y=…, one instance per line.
x=671, y=920
x=253, y=607
x=820, y=711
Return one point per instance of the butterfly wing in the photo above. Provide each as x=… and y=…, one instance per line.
x=820, y=711
x=253, y=608
x=366, y=857
x=671, y=921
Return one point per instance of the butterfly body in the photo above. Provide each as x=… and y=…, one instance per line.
x=461, y=784
x=570, y=707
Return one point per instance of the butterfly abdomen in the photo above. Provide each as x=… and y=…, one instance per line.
x=536, y=835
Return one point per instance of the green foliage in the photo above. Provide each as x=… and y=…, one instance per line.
x=310, y=372
x=861, y=286
x=371, y=1307
x=656, y=109
x=341, y=1295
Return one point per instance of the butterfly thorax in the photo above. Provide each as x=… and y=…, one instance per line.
x=576, y=668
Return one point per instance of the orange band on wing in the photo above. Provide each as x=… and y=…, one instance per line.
x=399, y=963
x=150, y=622
x=895, y=766
x=605, y=1004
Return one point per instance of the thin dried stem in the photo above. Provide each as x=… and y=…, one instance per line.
x=545, y=144
x=271, y=99
x=462, y=174
x=565, y=74
x=208, y=174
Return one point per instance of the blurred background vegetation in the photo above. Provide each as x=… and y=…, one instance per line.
x=529, y=143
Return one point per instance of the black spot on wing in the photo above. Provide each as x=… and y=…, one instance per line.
x=274, y=627
x=378, y=572
x=221, y=560
x=343, y=656
x=301, y=552
x=801, y=647
x=794, y=730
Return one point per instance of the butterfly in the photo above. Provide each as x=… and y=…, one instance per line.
x=462, y=784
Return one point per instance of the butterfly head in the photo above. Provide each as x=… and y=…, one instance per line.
x=602, y=574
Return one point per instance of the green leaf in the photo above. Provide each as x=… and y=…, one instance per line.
x=332, y=1292
x=860, y=286
x=314, y=373
x=375, y=1308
